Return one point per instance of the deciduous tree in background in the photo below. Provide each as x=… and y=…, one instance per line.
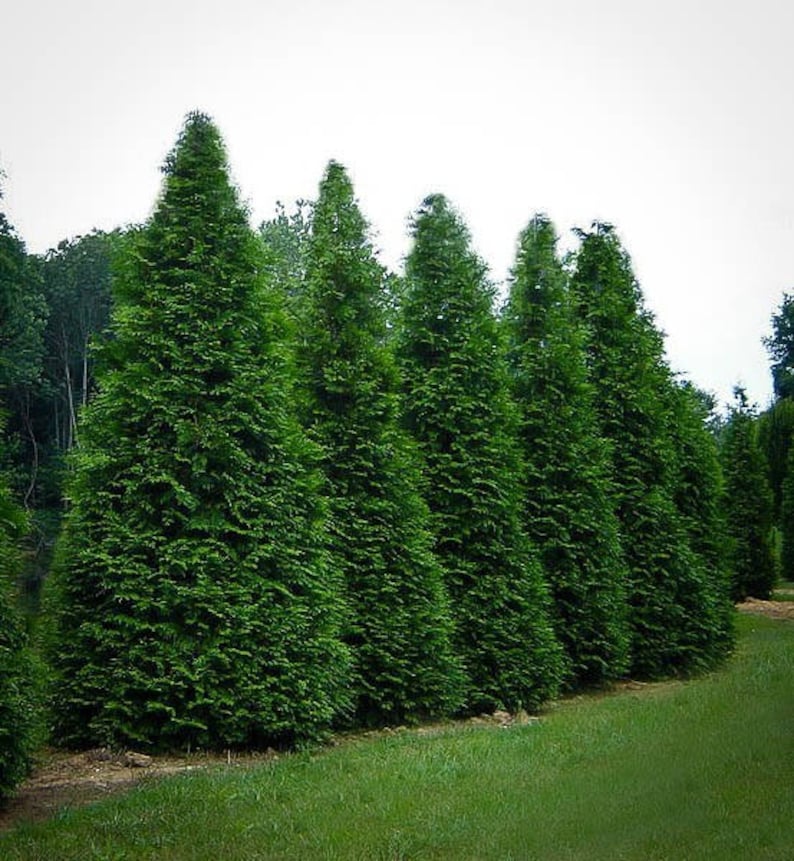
x=399, y=624
x=568, y=502
x=23, y=315
x=780, y=345
x=459, y=409
x=195, y=606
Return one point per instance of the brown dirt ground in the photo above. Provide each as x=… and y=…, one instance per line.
x=62, y=780
x=773, y=609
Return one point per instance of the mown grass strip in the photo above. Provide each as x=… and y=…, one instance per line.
x=702, y=769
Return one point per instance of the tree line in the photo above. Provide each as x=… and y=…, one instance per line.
x=293, y=491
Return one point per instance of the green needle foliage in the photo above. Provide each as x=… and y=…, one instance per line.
x=676, y=608
x=399, y=624
x=195, y=605
x=748, y=504
x=775, y=433
x=787, y=522
x=568, y=502
x=18, y=699
x=458, y=407
x=698, y=488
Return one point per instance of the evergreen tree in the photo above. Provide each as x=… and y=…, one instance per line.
x=568, y=503
x=748, y=504
x=17, y=686
x=399, y=625
x=787, y=523
x=676, y=612
x=698, y=488
x=458, y=407
x=195, y=606
x=775, y=433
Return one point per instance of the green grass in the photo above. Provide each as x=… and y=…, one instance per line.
x=702, y=769
x=784, y=591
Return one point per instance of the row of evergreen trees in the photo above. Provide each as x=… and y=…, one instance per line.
x=308, y=493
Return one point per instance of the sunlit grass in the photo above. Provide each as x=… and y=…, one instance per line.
x=784, y=591
x=702, y=769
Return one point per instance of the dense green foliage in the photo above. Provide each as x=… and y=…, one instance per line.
x=17, y=678
x=494, y=510
x=459, y=409
x=748, y=505
x=787, y=523
x=194, y=603
x=775, y=433
x=23, y=315
x=678, y=611
x=399, y=623
x=568, y=504
x=22, y=319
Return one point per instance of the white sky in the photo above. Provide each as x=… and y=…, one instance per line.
x=672, y=120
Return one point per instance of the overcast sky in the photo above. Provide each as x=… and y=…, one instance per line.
x=672, y=120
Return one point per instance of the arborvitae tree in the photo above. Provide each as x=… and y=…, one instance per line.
x=568, y=501
x=676, y=612
x=458, y=407
x=195, y=603
x=17, y=693
x=698, y=488
x=775, y=434
x=748, y=504
x=787, y=523
x=399, y=624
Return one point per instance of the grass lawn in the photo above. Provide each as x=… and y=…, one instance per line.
x=687, y=770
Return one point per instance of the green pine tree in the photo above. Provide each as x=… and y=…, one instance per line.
x=195, y=605
x=698, y=488
x=568, y=502
x=748, y=504
x=399, y=624
x=458, y=407
x=786, y=526
x=775, y=434
x=675, y=610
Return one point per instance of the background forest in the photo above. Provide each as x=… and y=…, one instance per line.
x=256, y=487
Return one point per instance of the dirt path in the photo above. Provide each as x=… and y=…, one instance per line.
x=62, y=780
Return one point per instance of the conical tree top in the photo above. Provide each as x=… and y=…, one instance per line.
x=538, y=283
x=198, y=240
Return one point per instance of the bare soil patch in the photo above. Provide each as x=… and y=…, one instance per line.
x=772, y=609
x=62, y=779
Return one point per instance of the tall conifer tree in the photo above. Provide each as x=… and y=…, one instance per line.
x=458, y=406
x=676, y=614
x=748, y=504
x=17, y=684
x=399, y=623
x=568, y=501
x=195, y=604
